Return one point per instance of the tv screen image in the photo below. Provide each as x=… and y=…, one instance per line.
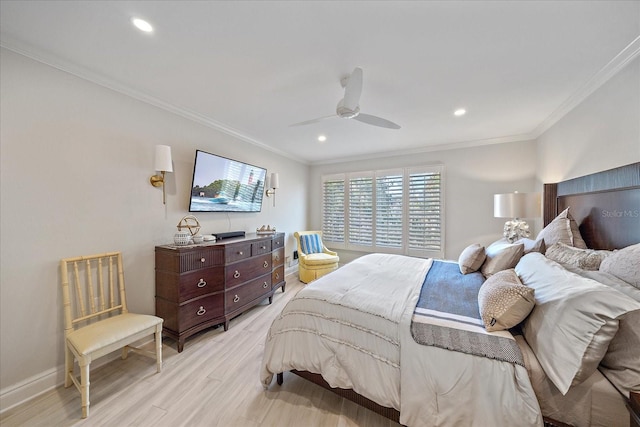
x=225, y=185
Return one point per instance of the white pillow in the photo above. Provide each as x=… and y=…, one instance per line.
x=624, y=264
x=573, y=321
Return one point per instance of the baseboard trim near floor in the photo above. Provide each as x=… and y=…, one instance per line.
x=36, y=385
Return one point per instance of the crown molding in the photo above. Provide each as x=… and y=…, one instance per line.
x=428, y=149
x=622, y=59
x=101, y=80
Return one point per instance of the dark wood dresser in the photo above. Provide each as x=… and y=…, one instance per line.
x=203, y=285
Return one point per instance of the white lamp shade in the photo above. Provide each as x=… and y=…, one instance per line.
x=163, y=158
x=275, y=181
x=516, y=205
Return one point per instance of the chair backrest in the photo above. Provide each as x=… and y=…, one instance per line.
x=92, y=288
x=299, y=235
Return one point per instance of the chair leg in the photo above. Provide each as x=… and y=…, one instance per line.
x=68, y=366
x=159, y=348
x=84, y=389
x=125, y=352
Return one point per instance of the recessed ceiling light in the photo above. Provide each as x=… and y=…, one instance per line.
x=142, y=25
x=322, y=138
x=460, y=112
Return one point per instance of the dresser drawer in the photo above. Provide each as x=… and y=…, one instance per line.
x=243, y=294
x=278, y=257
x=200, y=310
x=277, y=242
x=261, y=247
x=277, y=275
x=179, y=288
x=237, y=252
x=199, y=283
x=240, y=272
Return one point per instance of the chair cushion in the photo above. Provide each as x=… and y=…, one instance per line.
x=105, y=332
x=310, y=243
x=319, y=259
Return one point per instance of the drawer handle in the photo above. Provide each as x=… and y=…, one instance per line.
x=277, y=275
x=277, y=257
x=240, y=253
x=263, y=247
x=264, y=285
x=202, y=259
x=201, y=311
x=266, y=264
x=202, y=283
x=236, y=298
x=236, y=274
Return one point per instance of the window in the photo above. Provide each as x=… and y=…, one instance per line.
x=393, y=211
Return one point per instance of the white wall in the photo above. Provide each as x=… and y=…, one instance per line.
x=472, y=176
x=75, y=165
x=603, y=132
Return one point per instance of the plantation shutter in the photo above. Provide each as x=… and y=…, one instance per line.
x=333, y=219
x=389, y=209
x=360, y=209
x=425, y=211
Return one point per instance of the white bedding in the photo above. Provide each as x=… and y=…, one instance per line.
x=353, y=327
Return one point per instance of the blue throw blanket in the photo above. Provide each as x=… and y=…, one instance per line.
x=447, y=316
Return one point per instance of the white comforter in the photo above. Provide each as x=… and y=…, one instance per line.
x=353, y=327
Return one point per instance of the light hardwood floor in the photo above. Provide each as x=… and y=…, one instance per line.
x=213, y=382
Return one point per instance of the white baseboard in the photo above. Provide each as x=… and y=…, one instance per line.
x=36, y=385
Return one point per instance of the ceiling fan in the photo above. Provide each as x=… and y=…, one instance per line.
x=348, y=107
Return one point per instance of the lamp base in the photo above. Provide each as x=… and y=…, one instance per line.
x=516, y=229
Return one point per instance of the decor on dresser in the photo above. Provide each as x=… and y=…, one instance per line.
x=163, y=164
x=198, y=287
x=188, y=227
x=266, y=229
x=272, y=184
x=517, y=206
x=220, y=184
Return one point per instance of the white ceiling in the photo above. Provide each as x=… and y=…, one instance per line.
x=253, y=68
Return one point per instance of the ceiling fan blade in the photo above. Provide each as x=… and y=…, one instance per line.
x=308, y=122
x=376, y=121
x=353, y=90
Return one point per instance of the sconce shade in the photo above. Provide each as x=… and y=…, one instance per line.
x=275, y=181
x=163, y=158
x=516, y=205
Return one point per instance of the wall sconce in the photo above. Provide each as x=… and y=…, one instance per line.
x=272, y=185
x=163, y=164
x=516, y=205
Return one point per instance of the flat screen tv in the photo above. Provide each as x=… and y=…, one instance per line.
x=224, y=185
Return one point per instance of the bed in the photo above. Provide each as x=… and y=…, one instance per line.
x=351, y=332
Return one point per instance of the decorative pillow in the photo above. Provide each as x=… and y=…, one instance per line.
x=624, y=264
x=501, y=256
x=586, y=259
x=562, y=229
x=531, y=245
x=573, y=321
x=504, y=301
x=310, y=243
x=471, y=258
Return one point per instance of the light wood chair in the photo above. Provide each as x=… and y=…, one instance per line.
x=312, y=266
x=97, y=321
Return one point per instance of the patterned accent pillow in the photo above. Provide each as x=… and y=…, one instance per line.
x=310, y=243
x=471, y=258
x=624, y=264
x=501, y=256
x=586, y=259
x=504, y=301
x=562, y=229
